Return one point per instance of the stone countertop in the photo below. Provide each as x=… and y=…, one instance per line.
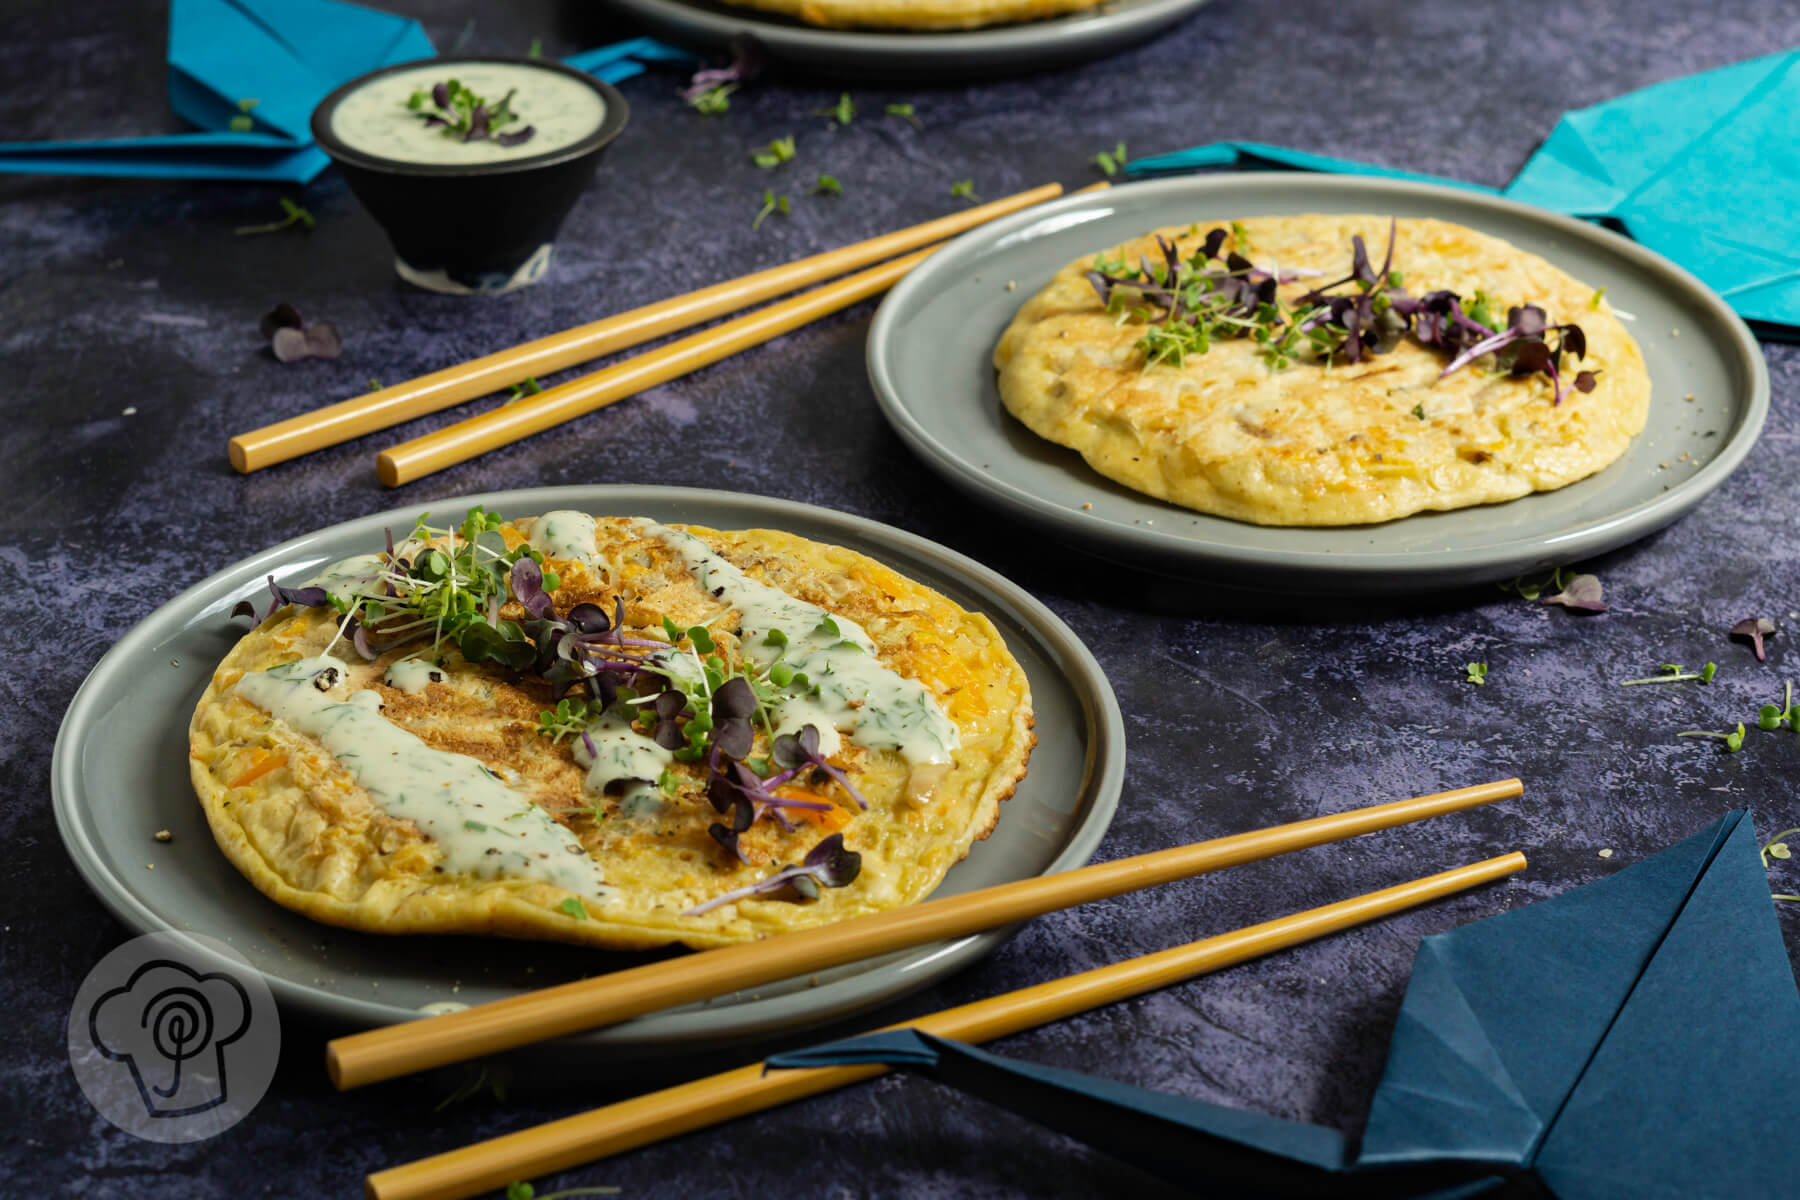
x=128, y=315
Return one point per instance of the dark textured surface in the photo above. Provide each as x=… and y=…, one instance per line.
x=117, y=296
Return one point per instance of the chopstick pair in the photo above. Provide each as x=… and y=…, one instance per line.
x=482, y=376
x=403, y=1049
x=642, y=1120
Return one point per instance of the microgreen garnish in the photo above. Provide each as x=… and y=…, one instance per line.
x=244, y=122
x=536, y=49
x=292, y=339
x=1755, y=629
x=965, y=189
x=828, y=186
x=1734, y=741
x=827, y=864
x=1368, y=317
x=774, y=154
x=1531, y=589
x=771, y=204
x=1770, y=717
x=1110, y=162
x=462, y=115
x=529, y=386
x=1418, y=410
x=571, y=715
x=293, y=215
x=843, y=112
x=306, y=597
x=714, y=101
x=1477, y=673
x=477, y=1079
x=518, y=1189
x=1777, y=848
x=709, y=91
x=572, y=905
x=905, y=113
x=1676, y=673
x=1596, y=298
x=1581, y=593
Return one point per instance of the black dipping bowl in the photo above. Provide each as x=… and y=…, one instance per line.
x=481, y=227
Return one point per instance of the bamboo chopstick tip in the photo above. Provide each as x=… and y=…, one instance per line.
x=240, y=456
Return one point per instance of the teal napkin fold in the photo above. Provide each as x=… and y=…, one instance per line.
x=1612, y=1042
x=1702, y=169
x=286, y=55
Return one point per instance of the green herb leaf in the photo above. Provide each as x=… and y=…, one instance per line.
x=771, y=204
x=843, y=112
x=1110, y=162
x=1418, y=410
x=1596, y=298
x=828, y=186
x=714, y=101
x=964, y=189
x=774, y=154
x=572, y=905
x=537, y=48
x=1477, y=673
x=905, y=113
x=295, y=216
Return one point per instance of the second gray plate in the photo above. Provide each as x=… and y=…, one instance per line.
x=953, y=56
x=930, y=359
x=120, y=773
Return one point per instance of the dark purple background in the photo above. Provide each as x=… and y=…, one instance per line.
x=1233, y=721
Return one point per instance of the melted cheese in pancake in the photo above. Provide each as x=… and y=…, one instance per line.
x=1312, y=444
x=395, y=796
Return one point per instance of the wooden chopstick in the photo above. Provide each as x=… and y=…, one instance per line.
x=629, y=1124
x=379, y=1054
x=429, y=393
x=508, y=423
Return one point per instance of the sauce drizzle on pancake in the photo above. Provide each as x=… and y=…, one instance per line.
x=483, y=827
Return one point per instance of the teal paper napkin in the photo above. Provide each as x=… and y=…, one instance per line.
x=1619, y=1041
x=287, y=55
x=1702, y=169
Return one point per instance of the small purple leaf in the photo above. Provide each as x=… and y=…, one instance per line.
x=1755, y=629
x=1583, y=593
x=289, y=345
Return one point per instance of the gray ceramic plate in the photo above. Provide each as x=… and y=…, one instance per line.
x=975, y=53
x=930, y=358
x=120, y=774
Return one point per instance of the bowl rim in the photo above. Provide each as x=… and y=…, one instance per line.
x=612, y=123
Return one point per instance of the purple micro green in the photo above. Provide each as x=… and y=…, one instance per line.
x=1755, y=629
x=291, y=339
x=827, y=864
x=791, y=750
x=308, y=597
x=1582, y=593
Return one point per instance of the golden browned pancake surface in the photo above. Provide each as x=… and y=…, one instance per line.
x=1316, y=444
x=295, y=821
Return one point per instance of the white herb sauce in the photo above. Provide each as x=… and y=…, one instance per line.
x=375, y=119
x=567, y=534
x=895, y=713
x=346, y=577
x=411, y=675
x=482, y=826
x=621, y=754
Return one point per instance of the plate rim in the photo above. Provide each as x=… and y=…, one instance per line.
x=1157, y=547
x=1097, y=705
x=1016, y=42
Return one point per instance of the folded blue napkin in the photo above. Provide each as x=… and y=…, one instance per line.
x=1621, y=1040
x=286, y=56
x=1701, y=169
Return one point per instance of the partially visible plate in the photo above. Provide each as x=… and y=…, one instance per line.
x=949, y=56
x=120, y=773
x=931, y=362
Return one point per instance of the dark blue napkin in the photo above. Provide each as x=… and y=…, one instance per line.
x=1615, y=1041
x=1702, y=169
